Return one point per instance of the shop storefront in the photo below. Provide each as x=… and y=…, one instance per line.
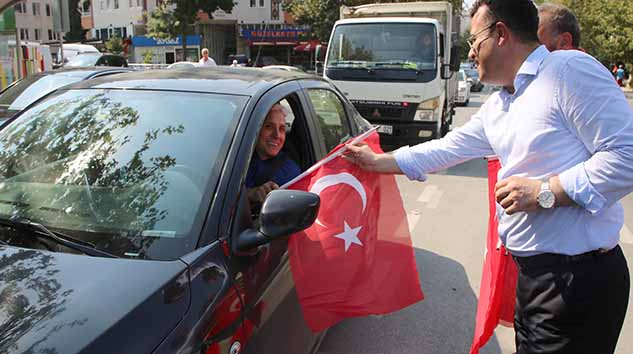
x=275, y=46
x=164, y=51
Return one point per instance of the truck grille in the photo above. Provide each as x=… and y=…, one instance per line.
x=385, y=110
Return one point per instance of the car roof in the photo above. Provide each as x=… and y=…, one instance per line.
x=223, y=80
x=79, y=71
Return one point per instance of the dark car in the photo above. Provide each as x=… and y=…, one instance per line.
x=22, y=93
x=97, y=59
x=124, y=222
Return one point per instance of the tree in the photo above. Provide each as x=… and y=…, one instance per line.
x=320, y=15
x=176, y=17
x=114, y=45
x=77, y=32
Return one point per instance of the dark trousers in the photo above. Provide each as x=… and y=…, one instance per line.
x=571, y=304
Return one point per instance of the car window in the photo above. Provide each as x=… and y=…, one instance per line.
x=331, y=116
x=123, y=169
x=86, y=59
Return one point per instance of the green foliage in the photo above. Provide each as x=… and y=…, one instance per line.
x=76, y=33
x=177, y=17
x=606, y=28
x=320, y=15
x=148, y=56
x=114, y=45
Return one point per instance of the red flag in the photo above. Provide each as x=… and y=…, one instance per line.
x=499, y=277
x=357, y=258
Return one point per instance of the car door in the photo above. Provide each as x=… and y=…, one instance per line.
x=272, y=319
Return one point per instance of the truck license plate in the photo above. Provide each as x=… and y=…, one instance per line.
x=385, y=129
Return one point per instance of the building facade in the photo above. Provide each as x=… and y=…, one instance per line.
x=119, y=17
x=34, y=21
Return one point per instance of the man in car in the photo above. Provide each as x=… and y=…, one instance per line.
x=270, y=167
x=558, y=27
x=424, y=47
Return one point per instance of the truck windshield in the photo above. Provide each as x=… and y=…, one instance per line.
x=388, y=46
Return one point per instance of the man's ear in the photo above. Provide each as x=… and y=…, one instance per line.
x=503, y=32
x=565, y=41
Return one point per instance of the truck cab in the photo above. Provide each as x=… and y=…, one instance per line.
x=396, y=70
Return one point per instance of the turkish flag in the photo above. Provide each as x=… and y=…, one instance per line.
x=357, y=258
x=497, y=293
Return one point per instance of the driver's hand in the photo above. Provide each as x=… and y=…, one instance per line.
x=258, y=194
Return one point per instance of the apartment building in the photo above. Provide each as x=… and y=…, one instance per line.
x=34, y=21
x=121, y=17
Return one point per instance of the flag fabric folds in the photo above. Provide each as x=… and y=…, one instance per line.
x=357, y=258
x=499, y=277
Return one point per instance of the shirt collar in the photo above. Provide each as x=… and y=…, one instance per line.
x=530, y=67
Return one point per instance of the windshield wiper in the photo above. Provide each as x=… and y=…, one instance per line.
x=62, y=239
x=404, y=65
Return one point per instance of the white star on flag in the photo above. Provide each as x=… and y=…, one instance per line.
x=349, y=236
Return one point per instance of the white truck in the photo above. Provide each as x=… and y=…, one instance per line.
x=395, y=62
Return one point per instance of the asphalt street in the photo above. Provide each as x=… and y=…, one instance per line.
x=447, y=217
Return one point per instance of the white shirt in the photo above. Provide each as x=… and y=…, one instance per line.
x=209, y=62
x=567, y=117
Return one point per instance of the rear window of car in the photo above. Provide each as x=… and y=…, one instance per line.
x=126, y=170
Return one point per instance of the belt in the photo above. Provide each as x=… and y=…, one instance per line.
x=552, y=259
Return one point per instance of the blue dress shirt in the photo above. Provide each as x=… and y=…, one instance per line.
x=567, y=117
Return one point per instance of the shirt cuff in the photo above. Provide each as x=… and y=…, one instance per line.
x=576, y=184
x=407, y=164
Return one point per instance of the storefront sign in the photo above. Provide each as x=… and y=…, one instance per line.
x=143, y=41
x=288, y=34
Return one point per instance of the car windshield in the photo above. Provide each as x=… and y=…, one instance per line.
x=27, y=91
x=86, y=59
x=129, y=171
x=383, y=46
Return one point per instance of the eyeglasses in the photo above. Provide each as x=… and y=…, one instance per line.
x=472, y=39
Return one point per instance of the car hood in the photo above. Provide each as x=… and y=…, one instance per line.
x=67, y=303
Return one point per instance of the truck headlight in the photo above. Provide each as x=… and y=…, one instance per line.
x=426, y=110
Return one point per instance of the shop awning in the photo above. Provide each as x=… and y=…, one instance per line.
x=308, y=46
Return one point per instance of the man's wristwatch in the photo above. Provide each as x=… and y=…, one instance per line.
x=546, y=198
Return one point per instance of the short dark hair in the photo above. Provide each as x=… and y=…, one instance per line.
x=563, y=20
x=520, y=16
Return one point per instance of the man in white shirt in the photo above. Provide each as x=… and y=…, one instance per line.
x=563, y=132
x=206, y=60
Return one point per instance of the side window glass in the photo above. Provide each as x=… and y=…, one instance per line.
x=331, y=116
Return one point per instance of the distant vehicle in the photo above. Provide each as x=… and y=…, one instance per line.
x=392, y=62
x=97, y=59
x=473, y=76
x=182, y=64
x=72, y=50
x=463, y=89
x=282, y=67
x=22, y=93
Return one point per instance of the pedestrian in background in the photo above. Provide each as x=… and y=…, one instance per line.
x=567, y=160
x=206, y=60
x=558, y=27
x=619, y=75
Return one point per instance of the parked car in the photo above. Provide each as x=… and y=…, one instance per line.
x=473, y=76
x=97, y=59
x=182, y=64
x=124, y=226
x=23, y=92
x=463, y=89
x=242, y=59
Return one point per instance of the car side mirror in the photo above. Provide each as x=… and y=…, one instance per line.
x=455, y=58
x=283, y=213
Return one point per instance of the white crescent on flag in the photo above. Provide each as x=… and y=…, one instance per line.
x=341, y=178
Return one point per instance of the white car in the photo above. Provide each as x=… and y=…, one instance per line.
x=463, y=93
x=182, y=64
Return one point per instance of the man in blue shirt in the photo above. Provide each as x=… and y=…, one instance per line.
x=563, y=132
x=270, y=167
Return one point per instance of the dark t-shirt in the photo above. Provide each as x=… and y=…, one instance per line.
x=286, y=170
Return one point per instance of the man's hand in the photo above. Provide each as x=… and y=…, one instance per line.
x=516, y=194
x=363, y=156
x=258, y=194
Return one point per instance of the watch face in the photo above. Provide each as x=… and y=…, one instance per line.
x=546, y=199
